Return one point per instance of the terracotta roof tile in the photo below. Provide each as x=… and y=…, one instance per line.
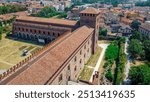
x=145, y=26
x=47, y=20
x=44, y=68
x=91, y=10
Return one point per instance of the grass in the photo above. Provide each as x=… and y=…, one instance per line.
x=94, y=58
x=11, y=50
x=4, y=66
x=104, y=41
x=86, y=73
x=137, y=63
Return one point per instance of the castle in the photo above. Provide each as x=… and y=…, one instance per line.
x=71, y=45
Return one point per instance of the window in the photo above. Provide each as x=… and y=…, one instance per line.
x=58, y=34
x=75, y=68
x=85, y=47
x=80, y=61
x=81, y=52
x=88, y=49
x=48, y=33
x=75, y=59
x=60, y=77
x=84, y=55
x=43, y=32
x=68, y=67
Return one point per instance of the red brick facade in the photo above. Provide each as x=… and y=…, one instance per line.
x=62, y=59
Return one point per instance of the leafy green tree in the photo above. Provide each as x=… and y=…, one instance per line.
x=135, y=48
x=1, y=24
x=8, y=33
x=62, y=15
x=118, y=78
x=147, y=49
x=137, y=35
x=46, y=12
x=140, y=75
x=11, y=8
x=109, y=75
x=135, y=24
x=103, y=32
x=1, y=30
x=143, y=3
x=111, y=52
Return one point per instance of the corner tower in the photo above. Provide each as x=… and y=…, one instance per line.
x=90, y=17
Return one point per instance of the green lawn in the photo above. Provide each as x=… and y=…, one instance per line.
x=94, y=58
x=11, y=50
x=86, y=73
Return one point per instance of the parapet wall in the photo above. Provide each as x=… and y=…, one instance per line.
x=23, y=64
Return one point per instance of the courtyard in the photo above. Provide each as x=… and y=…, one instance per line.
x=11, y=51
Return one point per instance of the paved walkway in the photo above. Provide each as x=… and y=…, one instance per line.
x=76, y=83
x=89, y=66
x=127, y=66
x=96, y=68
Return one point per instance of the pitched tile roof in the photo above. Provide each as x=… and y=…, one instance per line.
x=44, y=68
x=91, y=10
x=145, y=26
x=47, y=20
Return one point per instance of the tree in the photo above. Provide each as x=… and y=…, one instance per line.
x=135, y=48
x=46, y=12
x=135, y=24
x=146, y=45
x=11, y=8
x=109, y=75
x=1, y=30
x=62, y=15
x=140, y=75
x=137, y=35
x=8, y=33
x=111, y=52
x=103, y=32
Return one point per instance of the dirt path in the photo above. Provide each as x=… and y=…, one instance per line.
x=96, y=68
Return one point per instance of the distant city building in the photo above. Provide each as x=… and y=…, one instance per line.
x=145, y=29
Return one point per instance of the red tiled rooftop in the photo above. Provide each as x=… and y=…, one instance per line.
x=47, y=20
x=91, y=10
x=145, y=26
x=44, y=68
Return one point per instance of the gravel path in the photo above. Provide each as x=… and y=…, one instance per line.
x=96, y=68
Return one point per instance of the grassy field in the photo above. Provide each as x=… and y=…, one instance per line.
x=11, y=50
x=137, y=63
x=86, y=74
x=89, y=67
x=104, y=42
x=94, y=58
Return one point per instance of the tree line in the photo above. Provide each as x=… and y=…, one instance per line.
x=143, y=3
x=11, y=9
x=48, y=12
